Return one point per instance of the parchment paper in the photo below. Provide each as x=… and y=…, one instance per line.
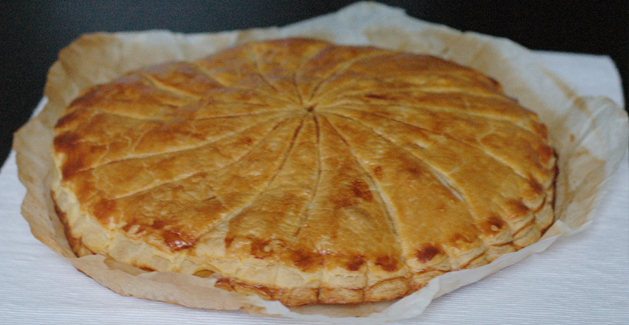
x=589, y=134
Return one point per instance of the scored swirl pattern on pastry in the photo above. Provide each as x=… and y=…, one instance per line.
x=303, y=171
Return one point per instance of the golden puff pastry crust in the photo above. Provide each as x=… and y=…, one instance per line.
x=303, y=171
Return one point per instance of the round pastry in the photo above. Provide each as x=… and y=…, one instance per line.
x=303, y=171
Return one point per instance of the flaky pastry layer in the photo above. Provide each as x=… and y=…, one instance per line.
x=303, y=171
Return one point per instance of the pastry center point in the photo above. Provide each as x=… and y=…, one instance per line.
x=310, y=107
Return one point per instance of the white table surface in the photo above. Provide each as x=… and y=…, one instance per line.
x=582, y=279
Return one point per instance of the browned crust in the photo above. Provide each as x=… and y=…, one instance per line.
x=286, y=168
